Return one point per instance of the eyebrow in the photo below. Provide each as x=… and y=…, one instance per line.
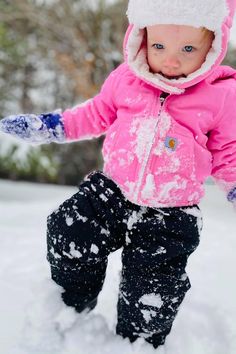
x=194, y=42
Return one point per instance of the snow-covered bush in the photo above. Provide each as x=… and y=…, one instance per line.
x=21, y=161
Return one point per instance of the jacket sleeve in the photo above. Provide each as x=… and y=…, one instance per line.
x=93, y=117
x=222, y=144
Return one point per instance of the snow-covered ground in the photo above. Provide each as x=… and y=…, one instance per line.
x=34, y=320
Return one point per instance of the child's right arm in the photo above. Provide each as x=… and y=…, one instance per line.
x=88, y=120
x=42, y=128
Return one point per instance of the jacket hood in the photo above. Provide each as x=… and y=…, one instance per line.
x=215, y=15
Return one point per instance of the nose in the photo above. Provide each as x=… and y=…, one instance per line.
x=171, y=62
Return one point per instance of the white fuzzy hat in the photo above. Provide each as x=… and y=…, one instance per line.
x=197, y=13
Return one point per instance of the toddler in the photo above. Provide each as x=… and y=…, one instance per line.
x=169, y=115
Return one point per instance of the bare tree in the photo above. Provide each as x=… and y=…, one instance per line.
x=64, y=50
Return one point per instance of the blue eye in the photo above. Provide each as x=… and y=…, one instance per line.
x=188, y=48
x=158, y=46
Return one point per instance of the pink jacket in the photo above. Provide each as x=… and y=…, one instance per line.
x=159, y=150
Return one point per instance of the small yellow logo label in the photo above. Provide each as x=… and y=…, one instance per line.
x=171, y=143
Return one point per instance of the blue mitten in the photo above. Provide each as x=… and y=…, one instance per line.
x=232, y=197
x=42, y=128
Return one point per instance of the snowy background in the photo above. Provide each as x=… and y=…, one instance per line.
x=34, y=320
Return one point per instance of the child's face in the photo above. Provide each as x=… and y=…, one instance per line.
x=176, y=51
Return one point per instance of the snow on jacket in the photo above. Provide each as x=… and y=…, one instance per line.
x=160, y=150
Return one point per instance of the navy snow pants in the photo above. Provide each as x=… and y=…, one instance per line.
x=156, y=243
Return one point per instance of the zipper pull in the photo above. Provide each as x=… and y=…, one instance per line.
x=163, y=97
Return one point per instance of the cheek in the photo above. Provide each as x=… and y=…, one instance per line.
x=193, y=64
x=153, y=61
x=199, y=61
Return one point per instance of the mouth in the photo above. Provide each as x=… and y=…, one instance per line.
x=174, y=77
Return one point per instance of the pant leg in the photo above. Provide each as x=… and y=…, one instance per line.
x=154, y=281
x=81, y=234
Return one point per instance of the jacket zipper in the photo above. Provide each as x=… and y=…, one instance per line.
x=162, y=99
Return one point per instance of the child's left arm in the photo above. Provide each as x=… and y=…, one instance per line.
x=232, y=197
x=222, y=144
